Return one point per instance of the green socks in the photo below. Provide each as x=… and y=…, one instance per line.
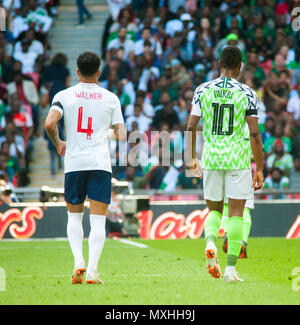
x=247, y=224
x=212, y=225
x=237, y=229
x=235, y=237
x=225, y=217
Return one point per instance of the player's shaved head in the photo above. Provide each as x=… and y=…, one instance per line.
x=231, y=58
x=88, y=63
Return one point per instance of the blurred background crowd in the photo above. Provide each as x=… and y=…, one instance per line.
x=155, y=53
x=24, y=52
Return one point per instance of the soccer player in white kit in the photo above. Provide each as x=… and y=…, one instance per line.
x=88, y=112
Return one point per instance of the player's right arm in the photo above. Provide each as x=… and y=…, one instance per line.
x=256, y=141
x=54, y=115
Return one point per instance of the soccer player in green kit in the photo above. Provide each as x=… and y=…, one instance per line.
x=225, y=106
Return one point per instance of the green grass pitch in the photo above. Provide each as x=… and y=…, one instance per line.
x=166, y=272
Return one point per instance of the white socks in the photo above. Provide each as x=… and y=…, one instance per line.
x=96, y=239
x=75, y=237
x=96, y=242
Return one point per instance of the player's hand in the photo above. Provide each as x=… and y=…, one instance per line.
x=61, y=148
x=195, y=168
x=258, y=180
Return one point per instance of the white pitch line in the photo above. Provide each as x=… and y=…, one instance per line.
x=130, y=242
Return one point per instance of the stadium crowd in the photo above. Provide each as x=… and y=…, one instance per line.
x=157, y=52
x=24, y=80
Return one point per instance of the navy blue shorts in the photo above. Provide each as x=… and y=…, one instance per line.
x=96, y=184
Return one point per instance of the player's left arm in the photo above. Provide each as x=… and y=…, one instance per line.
x=119, y=132
x=51, y=128
x=255, y=140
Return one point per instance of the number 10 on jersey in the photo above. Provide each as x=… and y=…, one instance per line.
x=218, y=119
x=89, y=129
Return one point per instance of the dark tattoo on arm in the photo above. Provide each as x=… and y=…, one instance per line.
x=119, y=131
x=53, y=135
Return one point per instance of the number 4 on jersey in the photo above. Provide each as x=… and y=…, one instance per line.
x=89, y=129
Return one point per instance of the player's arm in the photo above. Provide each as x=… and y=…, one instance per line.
x=51, y=128
x=191, y=136
x=257, y=150
x=118, y=132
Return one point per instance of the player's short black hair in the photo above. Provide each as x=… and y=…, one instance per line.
x=88, y=63
x=231, y=57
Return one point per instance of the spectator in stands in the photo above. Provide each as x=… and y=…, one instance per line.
x=296, y=142
x=125, y=19
x=276, y=181
x=166, y=114
x=134, y=177
x=280, y=116
x=35, y=46
x=16, y=143
x=55, y=77
x=40, y=15
x=293, y=106
x=27, y=94
x=273, y=92
x=159, y=174
x=280, y=158
x=25, y=56
x=139, y=117
x=13, y=166
x=155, y=44
x=268, y=129
x=122, y=41
x=295, y=175
x=278, y=135
x=6, y=67
x=163, y=86
x=82, y=10
x=7, y=47
x=19, y=21
x=55, y=158
x=21, y=119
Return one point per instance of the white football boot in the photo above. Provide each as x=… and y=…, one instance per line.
x=231, y=275
x=212, y=262
x=93, y=279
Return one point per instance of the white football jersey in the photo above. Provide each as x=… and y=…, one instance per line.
x=88, y=112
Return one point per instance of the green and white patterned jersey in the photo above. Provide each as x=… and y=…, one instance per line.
x=223, y=104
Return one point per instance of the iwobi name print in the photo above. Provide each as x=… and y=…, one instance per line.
x=88, y=95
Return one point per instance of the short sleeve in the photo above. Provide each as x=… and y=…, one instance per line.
x=57, y=104
x=285, y=182
x=117, y=116
x=196, y=103
x=253, y=103
x=291, y=105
